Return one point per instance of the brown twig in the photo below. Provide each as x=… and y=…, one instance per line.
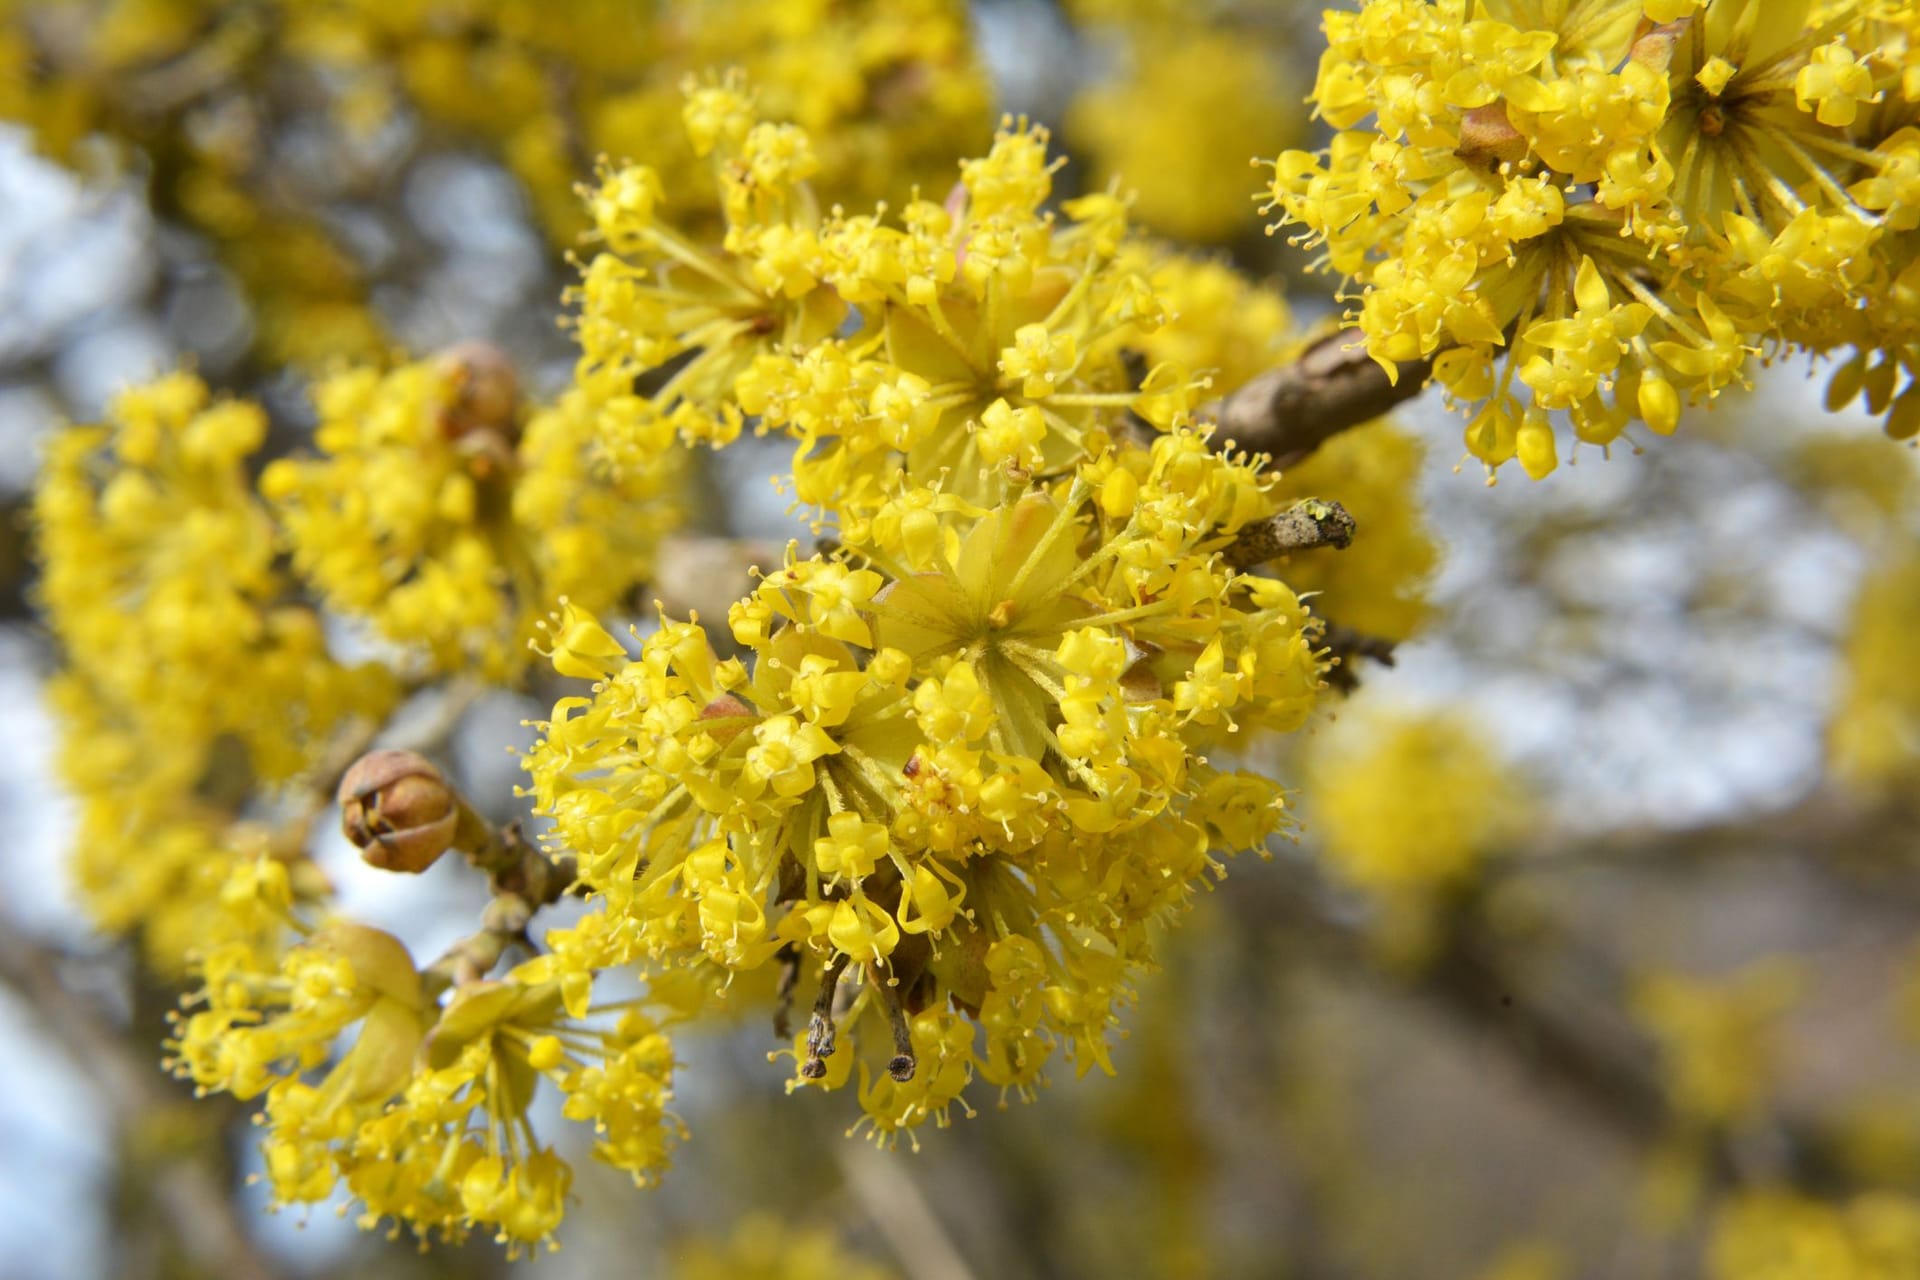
x=193, y=1199
x=1304, y=526
x=893, y=1200
x=1599, y=1067
x=1291, y=411
x=820, y=1028
x=1345, y=645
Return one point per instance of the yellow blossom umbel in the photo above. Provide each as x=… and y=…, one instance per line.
x=434, y=513
x=1629, y=203
x=1717, y=1037
x=1778, y=1235
x=970, y=763
x=424, y=1116
x=1874, y=737
x=762, y=1247
x=891, y=87
x=1187, y=102
x=977, y=339
x=193, y=666
x=1409, y=804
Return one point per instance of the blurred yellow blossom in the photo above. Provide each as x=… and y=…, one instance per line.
x=1874, y=737
x=1717, y=1037
x=1409, y=803
x=1776, y=1235
x=762, y=1247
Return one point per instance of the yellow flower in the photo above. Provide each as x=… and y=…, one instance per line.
x=993, y=338
x=1874, y=738
x=1777, y=1235
x=1189, y=102
x=761, y=1247
x=157, y=570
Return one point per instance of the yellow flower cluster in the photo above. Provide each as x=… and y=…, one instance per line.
x=433, y=513
x=1630, y=201
x=952, y=777
x=158, y=578
x=969, y=761
x=1225, y=323
x=1185, y=103
x=1874, y=737
x=425, y=1115
x=982, y=339
x=1717, y=1037
x=158, y=569
x=199, y=681
x=199, y=686
x=163, y=78
x=1776, y=1235
x=892, y=87
x=1448, y=801
x=764, y=1248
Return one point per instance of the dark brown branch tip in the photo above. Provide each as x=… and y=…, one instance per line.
x=820, y=1036
x=1304, y=526
x=820, y=1031
x=901, y=1065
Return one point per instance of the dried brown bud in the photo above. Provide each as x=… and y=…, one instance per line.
x=398, y=810
x=482, y=393
x=1489, y=140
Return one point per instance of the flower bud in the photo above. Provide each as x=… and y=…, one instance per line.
x=398, y=810
x=482, y=390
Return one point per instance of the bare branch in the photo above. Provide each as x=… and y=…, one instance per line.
x=1476, y=978
x=193, y=1197
x=893, y=1200
x=1348, y=646
x=1304, y=526
x=1291, y=411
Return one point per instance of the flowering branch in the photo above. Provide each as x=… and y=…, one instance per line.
x=1290, y=411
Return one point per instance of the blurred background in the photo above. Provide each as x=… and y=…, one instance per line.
x=1596, y=956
